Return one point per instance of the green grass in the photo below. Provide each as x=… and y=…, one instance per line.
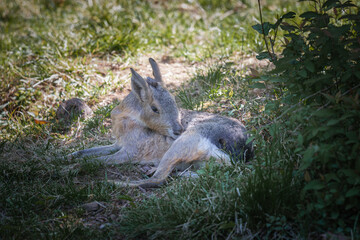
x=40, y=39
x=54, y=50
x=222, y=202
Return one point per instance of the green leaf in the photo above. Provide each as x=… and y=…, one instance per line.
x=351, y=176
x=289, y=15
x=314, y=185
x=352, y=137
x=285, y=16
x=357, y=74
x=263, y=55
x=353, y=192
x=329, y=97
x=276, y=25
x=346, y=75
x=227, y=225
x=302, y=73
x=334, y=214
x=357, y=163
x=345, y=5
x=333, y=131
x=338, y=31
x=310, y=14
x=350, y=173
x=351, y=17
x=333, y=122
x=307, y=159
x=325, y=113
x=127, y=198
x=288, y=27
x=258, y=85
x=309, y=65
x=331, y=176
x=270, y=107
x=250, y=139
x=277, y=79
x=300, y=139
x=340, y=200
x=266, y=26
x=330, y=4
x=257, y=27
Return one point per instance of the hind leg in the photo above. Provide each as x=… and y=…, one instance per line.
x=95, y=151
x=187, y=148
x=121, y=156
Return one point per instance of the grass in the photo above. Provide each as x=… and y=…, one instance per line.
x=54, y=50
x=47, y=47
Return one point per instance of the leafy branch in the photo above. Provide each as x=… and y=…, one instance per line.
x=264, y=29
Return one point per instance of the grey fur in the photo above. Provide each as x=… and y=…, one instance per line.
x=228, y=134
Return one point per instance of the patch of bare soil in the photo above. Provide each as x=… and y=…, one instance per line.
x=175, y=71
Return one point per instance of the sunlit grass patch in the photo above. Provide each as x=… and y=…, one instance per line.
x=225, y=88
x=44, y=50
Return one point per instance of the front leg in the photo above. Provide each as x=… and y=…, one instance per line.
x=95, y=151
x=122, y=156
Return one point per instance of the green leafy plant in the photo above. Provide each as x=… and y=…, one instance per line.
x=317, y=75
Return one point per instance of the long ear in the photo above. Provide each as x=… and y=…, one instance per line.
x=139, y=86
x=156, y=70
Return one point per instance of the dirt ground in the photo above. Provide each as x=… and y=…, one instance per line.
x=175, y=71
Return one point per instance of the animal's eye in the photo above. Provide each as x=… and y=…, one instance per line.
x=155, y=110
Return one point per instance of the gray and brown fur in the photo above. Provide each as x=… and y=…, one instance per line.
x=150, y=128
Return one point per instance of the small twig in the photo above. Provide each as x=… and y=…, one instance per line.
x=183, y=172
x=51, y=78
x=115, y=173
x=273, y=42
x=263, y=32
x=101, y=205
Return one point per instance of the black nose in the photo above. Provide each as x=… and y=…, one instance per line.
x=178, y=130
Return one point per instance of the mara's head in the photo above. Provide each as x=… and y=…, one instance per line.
x=159, y=111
